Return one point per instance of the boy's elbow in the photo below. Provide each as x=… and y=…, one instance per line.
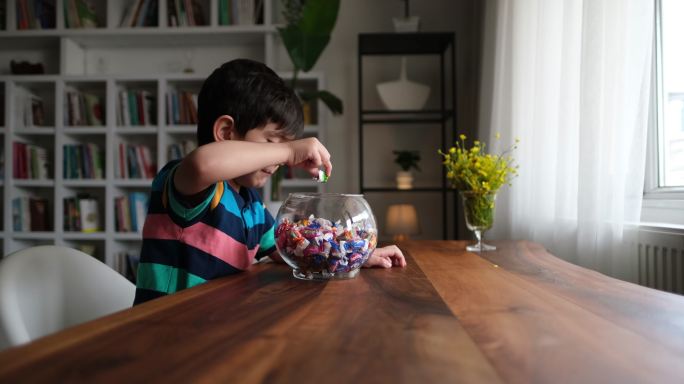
x=192, y=174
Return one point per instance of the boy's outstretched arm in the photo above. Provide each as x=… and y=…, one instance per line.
x=231, y=157
x=386, y=257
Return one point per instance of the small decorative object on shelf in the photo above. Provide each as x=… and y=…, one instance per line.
x=406, y=160
x=325, y=235
x=26, y=68
x=407, y=23
x=403, y=94
x=478, y=176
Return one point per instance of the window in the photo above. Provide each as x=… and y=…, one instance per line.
x=664, y=190
x=670, y=85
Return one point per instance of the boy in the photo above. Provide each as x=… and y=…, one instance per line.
x=205, y=219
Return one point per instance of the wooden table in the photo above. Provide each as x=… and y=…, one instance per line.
x=517, y=315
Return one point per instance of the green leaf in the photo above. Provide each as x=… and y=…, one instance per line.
x=331, y=101
x=319, y=16
x=306, y=40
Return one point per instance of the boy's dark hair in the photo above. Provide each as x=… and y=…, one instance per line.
x=253, y=95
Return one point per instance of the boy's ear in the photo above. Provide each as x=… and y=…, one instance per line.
x=224, y=129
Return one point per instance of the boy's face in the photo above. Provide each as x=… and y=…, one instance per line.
x=267, y=134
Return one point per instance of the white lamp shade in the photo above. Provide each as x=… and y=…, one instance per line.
x=402, y=219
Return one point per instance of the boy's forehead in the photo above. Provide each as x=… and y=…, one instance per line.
x=275, y=130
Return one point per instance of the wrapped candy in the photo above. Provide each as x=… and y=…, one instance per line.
x=318, y=245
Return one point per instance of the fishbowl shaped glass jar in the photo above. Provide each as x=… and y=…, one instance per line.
x=325, y=235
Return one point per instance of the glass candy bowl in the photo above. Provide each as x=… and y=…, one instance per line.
x=325, y=235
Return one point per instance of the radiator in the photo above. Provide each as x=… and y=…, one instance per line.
x=660, y=259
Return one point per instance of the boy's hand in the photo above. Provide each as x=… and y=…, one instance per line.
x=386, y=257
x=309, y=154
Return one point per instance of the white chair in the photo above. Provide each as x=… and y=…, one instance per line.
x=47, y=288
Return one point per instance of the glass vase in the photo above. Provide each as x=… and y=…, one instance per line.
x=479, y=216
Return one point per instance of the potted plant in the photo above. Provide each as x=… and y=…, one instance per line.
x=308, y=25
x=406, y=160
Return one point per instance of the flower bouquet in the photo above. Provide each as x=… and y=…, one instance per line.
x=478, y=175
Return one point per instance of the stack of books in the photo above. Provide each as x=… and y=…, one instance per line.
x=136, y=107
x=183, y=13
x=35, y=14
x=141, y=13
x=126, y=263
x=181, y=107
x=30, y=214
x=31, y=111
x=81, y=214
x=130, y=212
x=240, y=12
x=180, y=150
x=79, y=14
x=83, y=109
x=83, y=161
x=134, y=161
x=29, y=161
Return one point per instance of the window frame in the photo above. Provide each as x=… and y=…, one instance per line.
x=662, y=205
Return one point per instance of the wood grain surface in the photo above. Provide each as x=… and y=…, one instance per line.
x=516, y=315
x=540, y=319
x=384, y=326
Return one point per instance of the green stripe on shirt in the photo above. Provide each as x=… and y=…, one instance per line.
x=268, y=239
x=164, y=278
x=188, y=214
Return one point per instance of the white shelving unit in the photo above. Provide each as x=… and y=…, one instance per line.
x=103, y=61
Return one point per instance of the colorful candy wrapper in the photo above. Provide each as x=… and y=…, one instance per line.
x=322, y=176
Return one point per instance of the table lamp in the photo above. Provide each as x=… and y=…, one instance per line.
x=402, y=221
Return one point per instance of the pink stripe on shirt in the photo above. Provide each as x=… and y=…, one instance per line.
x=201, y=236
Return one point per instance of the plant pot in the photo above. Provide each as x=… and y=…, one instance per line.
x=404, y=180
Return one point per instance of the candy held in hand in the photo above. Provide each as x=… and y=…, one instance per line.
x=322, y=176
x=316, y=245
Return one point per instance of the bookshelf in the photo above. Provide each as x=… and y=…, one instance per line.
x=107, y=104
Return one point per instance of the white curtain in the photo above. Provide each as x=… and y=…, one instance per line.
x=571, y=79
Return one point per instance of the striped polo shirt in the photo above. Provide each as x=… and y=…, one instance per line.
x=186, y=245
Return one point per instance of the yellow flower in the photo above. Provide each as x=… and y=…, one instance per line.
x=473, y=169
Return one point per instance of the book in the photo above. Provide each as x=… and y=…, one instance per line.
x=124, y=110
x=37, y=112
x=149, y=103
x=133, y=261
x=133, y=108
x=142, y=15
x=245, y=12
x=89, y=215
x=198, y=13
x=93, y=107
x=86, y=14
x=38, y=214
x=138, y=210
x=71, y=14
x=17, y=224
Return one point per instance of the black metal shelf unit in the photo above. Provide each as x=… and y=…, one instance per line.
x=407, y=44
